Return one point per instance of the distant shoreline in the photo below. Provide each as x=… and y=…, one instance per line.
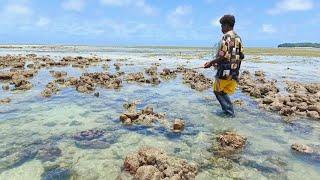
x=112, y=46
x=283, y=51
x=299, y=45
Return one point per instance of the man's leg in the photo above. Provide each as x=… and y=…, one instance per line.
x=225, y=103
x=229, y=107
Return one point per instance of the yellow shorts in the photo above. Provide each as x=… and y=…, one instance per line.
x=227, y=86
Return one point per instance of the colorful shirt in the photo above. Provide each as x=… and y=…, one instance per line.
x=230, y=47
x=230, y=51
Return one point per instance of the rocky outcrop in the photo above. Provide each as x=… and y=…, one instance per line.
x=196, y=80
x=301, y=148
x=80, y=61
x=311, y=152
x=12, y=61
x=19, y=78
x=140, y=78
x=168, y=74
x=137, y=77
x=50, y=89
x=259, y=87
x=6, y=75
x=229, y=143
x=58, y=74
x=32, y=62
x=146, y=116
x=152, y=163
x=300, y=100
x=152, y=71
x=88, y=82
x=21, y=83
x=13, y=74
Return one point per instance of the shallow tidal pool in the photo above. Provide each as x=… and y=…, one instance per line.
x=30, y=118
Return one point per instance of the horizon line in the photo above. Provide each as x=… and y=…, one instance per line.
x=119, y=45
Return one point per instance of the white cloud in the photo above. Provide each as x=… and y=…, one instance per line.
x=43, y=21
x=291, y=5
x=180, y=17
x=145, y=7
x=107, y=28
x=140, y=4
x=73, y=5
x=182, y=10
x=268, y=28
x=17, y=13
x=17, y=9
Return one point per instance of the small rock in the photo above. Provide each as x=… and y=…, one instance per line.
x=313, y=114
x=132, y=116
x=59, y=74
x=147, y=172
x=5, y=101
x=229, y=143
x=117, y=66
x=123, y=118
x=5, y=87
x=96, y=94
x=105, y=66
x=128, y=121
x=147, y=110
x=239, y=102
x=30, y=66
x=46, y=92
x=301, y=148
x=131, y=163
x=259, y=73
x=178, y=125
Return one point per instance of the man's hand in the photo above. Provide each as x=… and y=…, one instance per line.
x=207, y=65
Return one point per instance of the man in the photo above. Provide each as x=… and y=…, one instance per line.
x=228, y=62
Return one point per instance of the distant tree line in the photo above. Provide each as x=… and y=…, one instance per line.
x=314, y=45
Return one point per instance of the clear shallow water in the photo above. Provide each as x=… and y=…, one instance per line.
x=29, y=118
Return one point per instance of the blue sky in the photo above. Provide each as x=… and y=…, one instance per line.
x=262, y=23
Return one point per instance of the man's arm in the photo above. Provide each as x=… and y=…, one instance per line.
x=214, y=62
x=219, y=56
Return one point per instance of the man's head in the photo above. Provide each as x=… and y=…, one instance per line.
x=227, y=23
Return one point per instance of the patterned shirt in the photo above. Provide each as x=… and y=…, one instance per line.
x=230, y=47
x=230, y=52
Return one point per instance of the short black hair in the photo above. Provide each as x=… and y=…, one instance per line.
x=228, y=19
